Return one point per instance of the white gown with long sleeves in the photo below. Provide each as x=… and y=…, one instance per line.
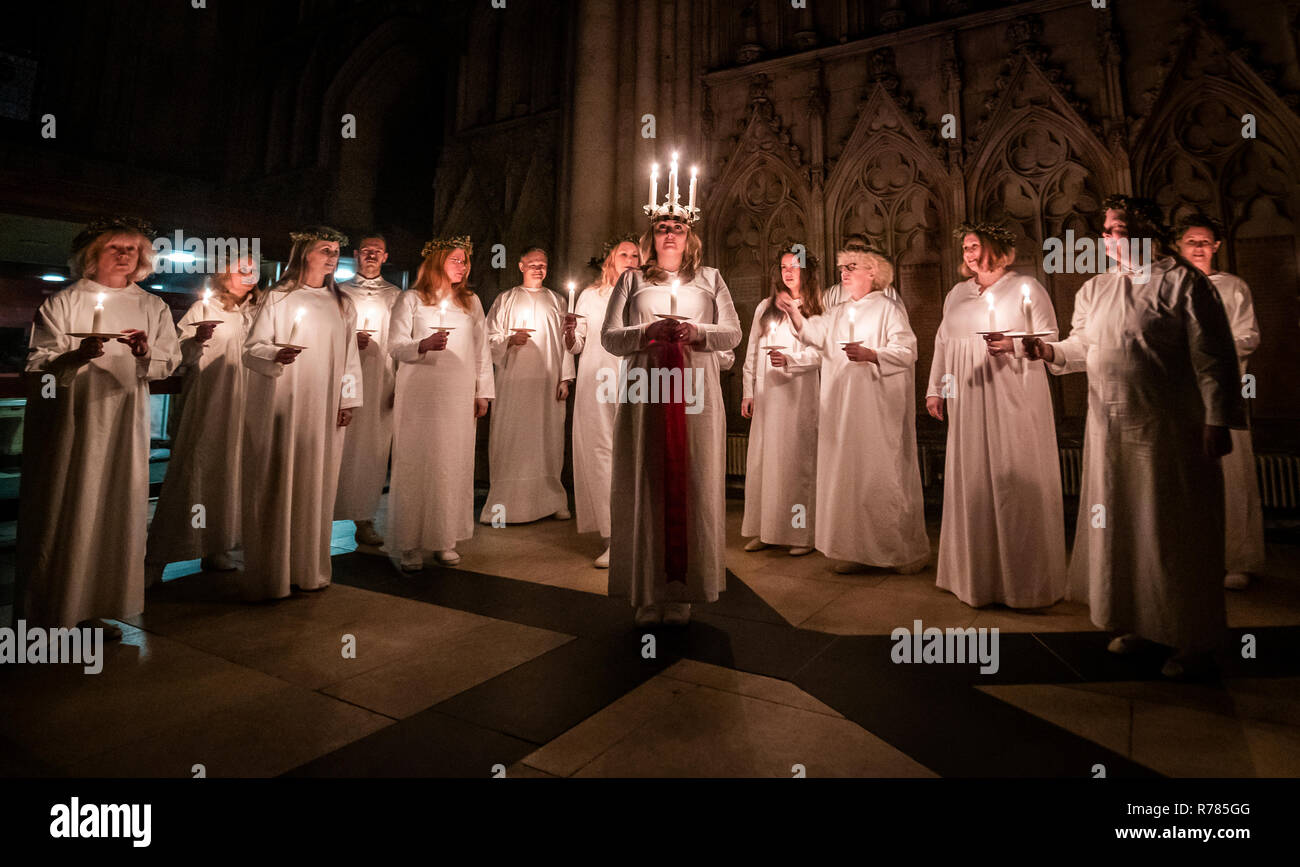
x=637, y=568
x=1148, y=552
x=368, y=438
x=870, y=508
x=1244, y=512
x=292, y=440
x=781, y=465
x=526, y=440
x=204, y=464
x=593, y=418
x=431, y=497
x=85, y=483
x=1003, y=533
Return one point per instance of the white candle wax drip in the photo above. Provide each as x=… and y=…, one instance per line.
x=1027, y=307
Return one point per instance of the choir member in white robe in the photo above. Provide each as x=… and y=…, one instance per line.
x=533, y=373
x=780, y=392
x=1198, y=241
x=299, y=402
x=1003, y=534
x=1162, y=393
x=593, y=418
x=668, y=511
x=85, y=478
x=444, y=386
x=204, y=466
x=870, y=509
x=370, y=435
x=836, y=295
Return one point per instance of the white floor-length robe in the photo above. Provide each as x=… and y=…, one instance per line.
x=526, y=440
x=870, y=508
x=292, y=441
x=370, y=435
x=781, y=465
x=431, y=497
x=593, y=419
x=1244, y=511
x=1148, y=551
x=1003, y=533
x=85, y=482
x=204, y=464
x=637, y=547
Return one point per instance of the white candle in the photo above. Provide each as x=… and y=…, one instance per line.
x=293, y=334
x=571, y=284
x=1027, y=307
x=442, y=311
x=672, y=311
x=691, y=204
x=851, y=318
x=207, y=306
x=654, y=184
x=771, y=337
x=96, y=322
x=988, y=296
x=672, y=180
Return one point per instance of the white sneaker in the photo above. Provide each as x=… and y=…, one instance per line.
x=563, y=515
x=1236, y=580
x=602, y=562
x=366, y=534
x=448, y=557
x=647, y=615
x=1125, y=644
x=755, y=544
x=677, y=613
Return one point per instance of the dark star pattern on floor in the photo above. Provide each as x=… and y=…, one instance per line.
x=936, y=714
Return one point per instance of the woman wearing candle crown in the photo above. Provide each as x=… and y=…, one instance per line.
x=444, y=385
x=593, y=418
x=1003, y=533
x=85, y=477
x=1199, y=237
x=870, y=510
x=305, y=380
x=668, y=511
x=204, y=465
x=780, y=390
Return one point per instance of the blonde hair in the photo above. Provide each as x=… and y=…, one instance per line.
x=608, y=270
x=432, y=278
x=85, y=261
x=691, y=257
x=229, y=300
x=884, y=270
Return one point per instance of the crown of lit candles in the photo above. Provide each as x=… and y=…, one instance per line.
x=672, y=208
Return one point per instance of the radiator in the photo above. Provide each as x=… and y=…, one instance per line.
x=1071, y=470
x=1279, y=480
x=737, y=451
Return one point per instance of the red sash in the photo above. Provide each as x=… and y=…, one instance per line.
x=671, y=355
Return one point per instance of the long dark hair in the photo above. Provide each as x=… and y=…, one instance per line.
x=810, y=288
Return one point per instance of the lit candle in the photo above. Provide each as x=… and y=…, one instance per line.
x=571, y=296
x=771, y=337
x=691, y=204
x=672, y=179
x=442, y=311
x=365, y=322
x=207, y=305
x=673, y=309
x=97, y=322
x=1027, y=307
x=988, y=296
x=293, y=335
x=654, y=184
x=852, y=317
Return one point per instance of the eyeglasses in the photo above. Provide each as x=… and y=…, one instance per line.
x=849, y=266
x=670, y=229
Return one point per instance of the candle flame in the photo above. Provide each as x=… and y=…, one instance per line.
x=654, y=169
x=99, y=301
x=298, y=316
x=988, y=296
x=1024, y=290
x=443, y=306
x=207, y=295
x=694, y=171
x=851, y=316
x=571, y=285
